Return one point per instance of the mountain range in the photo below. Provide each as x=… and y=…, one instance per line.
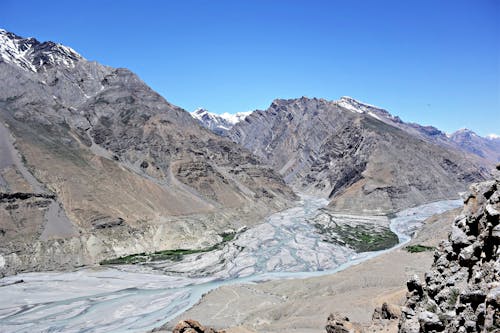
x=487, y=147
x=360, y=156
x=97, y=165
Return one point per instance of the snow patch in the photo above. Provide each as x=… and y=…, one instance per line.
x=235, y=118
x=218, y=122
x=30, y=55
x=493, y=136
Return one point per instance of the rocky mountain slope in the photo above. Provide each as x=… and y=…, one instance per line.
x=96, y=165
x=361, y=157
x=218, y=123
x=462, y=289
x=488, y=147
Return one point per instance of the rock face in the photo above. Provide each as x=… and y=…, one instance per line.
x=387, y=311
x=461, y=292
x=109, y=166
x=192, y=326
x=338, y=323
x=361, y=157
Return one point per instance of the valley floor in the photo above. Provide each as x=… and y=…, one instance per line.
x=303, y=305
x=283, y=251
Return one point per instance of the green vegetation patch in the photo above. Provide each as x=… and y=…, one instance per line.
x=363, y=240
x=419, y=248
x=360, y=238
x=173, y=255
x=227, y=236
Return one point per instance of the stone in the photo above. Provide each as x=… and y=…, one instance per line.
x=192, y=326
x=414, y=285
x=491, y=211
x=467, y=254
x=337, y=323
x=458, y=237
x=387, y=311
x=430, y=321
x=496, y=231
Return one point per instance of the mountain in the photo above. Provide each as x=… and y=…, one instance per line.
x=96, y=165
x=31, y=55
x=218, y=124
x=461, y=289
x=360, y=156
x=488, y=147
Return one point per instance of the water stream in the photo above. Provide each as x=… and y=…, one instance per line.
x=136, y=298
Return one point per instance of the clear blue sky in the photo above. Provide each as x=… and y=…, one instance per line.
x=432, y=62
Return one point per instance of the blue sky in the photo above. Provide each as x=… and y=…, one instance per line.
x=432, y=62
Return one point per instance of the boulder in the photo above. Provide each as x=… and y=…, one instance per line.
x=192, y=326
x=338, y=323
x=387, y=311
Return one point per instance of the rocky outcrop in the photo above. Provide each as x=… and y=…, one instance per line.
x=387, y=311
x=192, y=326
x=338, y=323
x=189, y=326
x=359, y=156
x=461, y=292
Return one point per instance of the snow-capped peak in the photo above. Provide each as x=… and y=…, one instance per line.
x=353, y=105
x=356, y=106
x=493, y=136
x=31, y=55
x=464, y=131
x=199, y=113
x=235, y=118
x=219, y=123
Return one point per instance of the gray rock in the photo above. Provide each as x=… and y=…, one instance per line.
x=414, y=285
x=463, y=296
x=387, y=311
x=338, y=323
x=496, y=231
x=458, y=237
x=430, y=321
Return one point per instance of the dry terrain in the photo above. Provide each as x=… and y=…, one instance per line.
x=303, y=305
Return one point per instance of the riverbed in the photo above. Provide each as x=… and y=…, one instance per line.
x=135, y=298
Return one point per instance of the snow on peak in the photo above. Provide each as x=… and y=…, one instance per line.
x=465, y=131
x=219, y=123
x=31, y=55
x=493, y=136
x=356, y=106
x=235, y=118
x=352, y=100
x=199, y=112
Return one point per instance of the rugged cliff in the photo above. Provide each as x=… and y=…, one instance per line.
x=461, y=292
x=95, y=164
